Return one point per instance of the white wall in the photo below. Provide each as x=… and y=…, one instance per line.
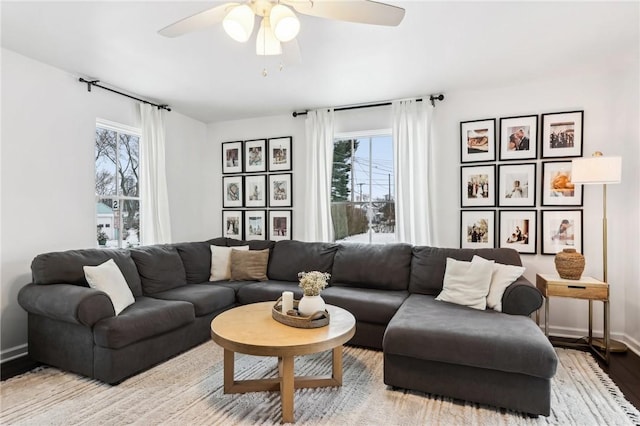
x=47, y=169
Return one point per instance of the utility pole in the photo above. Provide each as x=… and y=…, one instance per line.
x=361, y=190
x=389, y=199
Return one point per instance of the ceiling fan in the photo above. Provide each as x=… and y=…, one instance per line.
x=279, y=24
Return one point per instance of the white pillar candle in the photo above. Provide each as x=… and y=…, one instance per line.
x=287, y=301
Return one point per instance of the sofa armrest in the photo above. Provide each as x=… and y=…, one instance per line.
x=521, y=298
x=66, y=302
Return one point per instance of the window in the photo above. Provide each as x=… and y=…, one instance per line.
x=117, y=156
x=362, y=192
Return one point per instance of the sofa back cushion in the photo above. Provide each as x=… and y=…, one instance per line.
x=290, y=257
x=253, y=244
x=160, y=268
x=196, y=258
x=375, y=266
x=65, y=267
x=429, y=263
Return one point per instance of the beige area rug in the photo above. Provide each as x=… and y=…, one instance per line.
x=187, y=390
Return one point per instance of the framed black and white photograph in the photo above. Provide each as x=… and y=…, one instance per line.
x=519, y=138
x=255, y=156
x=255, y=222
x=477, y=228
x=232, y=157
x=557, y=188
x=518, y=230
x=561, y=229
x=517, y=185
x=232, y=190
x=478, y=140
x=279, y=225
x=280, y=158
x=255, y=191
x=562, y=134
x=232, y=225
x=280, y=190
x=478, y=186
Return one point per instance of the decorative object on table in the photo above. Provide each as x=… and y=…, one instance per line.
x=562, y=134
x=232, y=157
x=569, y=264
x=232, y=191
x=232, y=224
x=517, y=185
x=478, y=186
x=295, y=318
x=478, y=140
x=519, y=137
x=287, y=301
x=255, y=191
x=477, y=228
x=312, y=283
x=280, y=155
x=558, y=188
x=280, y=225
x=255, y=225
x=255, y=152
x=600, y=170
x=518, y=230
x=280, y=190
x=561, y=229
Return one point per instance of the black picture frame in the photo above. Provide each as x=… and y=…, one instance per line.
x=232, y=157
x=232, y=191
x=280, y=154
x=556, y=186
x=232, y=224
x=255, y=156
x=518, y=138
x=477, y=229
x=255, y=225
x=281, y=190
x=518, y=230
x=478, y=141
x=473, y=192
x=255, y=191
x=280, y=224
x=517, y=185
x=555, y=223
x=562, y=134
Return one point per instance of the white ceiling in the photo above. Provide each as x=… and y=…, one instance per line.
x=439, y=47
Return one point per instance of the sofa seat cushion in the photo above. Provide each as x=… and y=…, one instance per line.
x=206, y=298
x=373, y=306
x=160, y=268
x=235, y=285
x=146, y=318
x=431, y=330
x=265, y=291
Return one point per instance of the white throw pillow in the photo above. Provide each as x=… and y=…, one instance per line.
x=502, y=277
x=220, y=262
x=467, y=283
x=107, y=277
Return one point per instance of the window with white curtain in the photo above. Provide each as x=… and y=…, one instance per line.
x=117, y=180
x=362, y=188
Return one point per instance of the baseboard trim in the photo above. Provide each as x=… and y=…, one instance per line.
x=576, y=333
x=14, y=353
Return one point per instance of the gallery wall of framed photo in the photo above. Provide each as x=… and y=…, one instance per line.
x=257, y=193
x=516, y=188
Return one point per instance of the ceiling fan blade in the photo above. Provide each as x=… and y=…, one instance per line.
x=360, y=11
x=198, y=21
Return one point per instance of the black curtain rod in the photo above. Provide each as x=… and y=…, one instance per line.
x=95, y=83
x=432, y=98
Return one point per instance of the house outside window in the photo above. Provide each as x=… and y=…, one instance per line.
x=117, y=172
x=362, y=188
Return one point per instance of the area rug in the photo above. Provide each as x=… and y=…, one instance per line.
x=187, y=390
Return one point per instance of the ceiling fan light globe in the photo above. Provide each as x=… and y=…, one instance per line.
x=266, y=42
x=284, y=22
x=238, y=23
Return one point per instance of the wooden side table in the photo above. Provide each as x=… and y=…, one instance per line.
x=585, y=288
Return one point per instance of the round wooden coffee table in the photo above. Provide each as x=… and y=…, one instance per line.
x=251, y=330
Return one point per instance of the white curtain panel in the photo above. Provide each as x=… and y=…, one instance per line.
x=413, y=164
x=154, y=206
x=318, y=169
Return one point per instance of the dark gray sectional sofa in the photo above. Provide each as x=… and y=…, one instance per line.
x=501, y=359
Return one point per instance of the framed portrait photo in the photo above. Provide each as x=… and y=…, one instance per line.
x=232, y=157
x=280, y=158
x=280, y=190
x=255, y=191
x=478, y=186
x=519, y=138
x=561, y=229
x=518, y=230
x=232, y=225
x=232, y=191
x=478, y=140
x=255, y=222
x=562, y=134
x=517, y=185
x=279, y=225
x=255, y=156
x=477, y=228
x=557, y=188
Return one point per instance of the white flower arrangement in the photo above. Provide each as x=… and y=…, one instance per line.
x=312, y=283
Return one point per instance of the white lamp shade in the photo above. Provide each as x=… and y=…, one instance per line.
x=266, y=42
x=596, y=170
x=284, y=22
x=238, y=23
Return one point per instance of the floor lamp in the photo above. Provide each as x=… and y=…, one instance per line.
x=600, y=170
